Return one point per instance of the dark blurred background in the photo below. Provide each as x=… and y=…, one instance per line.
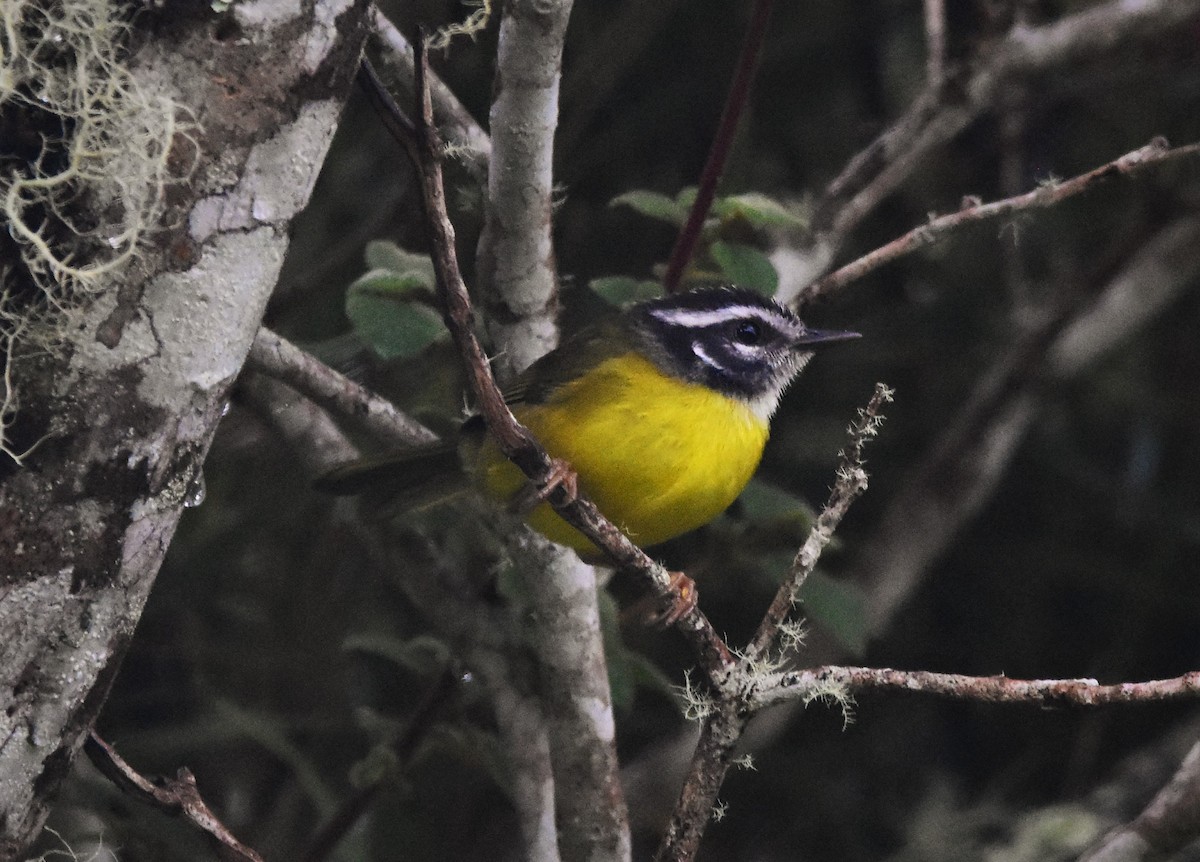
x=1053, y=517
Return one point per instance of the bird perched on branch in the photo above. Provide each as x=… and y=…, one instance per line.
x=662, y=413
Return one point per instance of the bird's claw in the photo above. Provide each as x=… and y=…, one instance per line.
x=663, y=612
x=531, y=496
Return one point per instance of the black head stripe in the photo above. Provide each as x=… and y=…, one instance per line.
x=702, y=336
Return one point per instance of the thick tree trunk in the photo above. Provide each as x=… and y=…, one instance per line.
x=126, y=411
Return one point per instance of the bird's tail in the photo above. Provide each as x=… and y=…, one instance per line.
x=400, y=481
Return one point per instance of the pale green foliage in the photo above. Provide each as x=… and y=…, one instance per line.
x=388, y=306
x=723, y=254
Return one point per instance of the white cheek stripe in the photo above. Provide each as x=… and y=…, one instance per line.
x=705, y=357
x=691, y=318
x=749, y=351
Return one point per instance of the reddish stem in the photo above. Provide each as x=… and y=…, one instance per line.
x=718, y=155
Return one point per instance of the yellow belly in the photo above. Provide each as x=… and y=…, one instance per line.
x=658, y=456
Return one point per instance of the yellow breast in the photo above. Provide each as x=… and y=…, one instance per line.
x=659, y=456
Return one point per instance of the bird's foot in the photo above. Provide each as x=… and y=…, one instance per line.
x=531, y=496
x=664, y=611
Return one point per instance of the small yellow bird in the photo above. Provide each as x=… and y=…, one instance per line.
x=662, y=412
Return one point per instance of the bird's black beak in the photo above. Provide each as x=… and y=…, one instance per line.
x=820, y=337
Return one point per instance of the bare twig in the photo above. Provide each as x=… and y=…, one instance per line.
x=516, y=442
x=930, y=121
x=569, y=642
x=399, y=125
x=1050, y=194
x=962, y=467
x=177, y=796
x=722, y=145
x=591, y=812
x=1168, y=823
x=277, y=357
x=719, y=734
x=801, y=684
x=728, y=716
x=851, y=483
x=468, y=139
x=480, y=633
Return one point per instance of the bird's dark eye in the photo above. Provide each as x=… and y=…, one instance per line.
x=748, y=332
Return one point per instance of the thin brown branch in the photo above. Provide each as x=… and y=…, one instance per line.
x=513, y=439
x=1168, y=823
x=178, y=796
x=1052, y=193
x=719, y=734
x=398, y=124
x=278, y=358
x=962, y=467
x=803, y=684
x=722, y=146
x=480, y=633
x=851, y=483
x=934, y=118
x=470, y=142
x=315, y=440
x=725, y=723
x=866, y=166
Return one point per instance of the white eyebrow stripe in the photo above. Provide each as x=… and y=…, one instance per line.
x=691, y=318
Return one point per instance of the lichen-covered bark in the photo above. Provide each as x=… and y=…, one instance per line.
x=516, y=267
x=126, y=411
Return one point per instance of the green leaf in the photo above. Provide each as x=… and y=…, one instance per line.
x=620, y=676
x=384, y=254
x=389, y=284
x=746, y=266
x=382, y=312
x=687, y=197
x=759, y=211
x=839, y=608
x=652, y=204
x=762, y=501
x=622, y=291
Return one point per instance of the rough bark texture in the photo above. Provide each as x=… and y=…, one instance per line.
x=516, y=266
x=127, y=410
x=589, y=804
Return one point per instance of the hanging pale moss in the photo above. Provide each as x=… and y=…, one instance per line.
x=83, y=174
